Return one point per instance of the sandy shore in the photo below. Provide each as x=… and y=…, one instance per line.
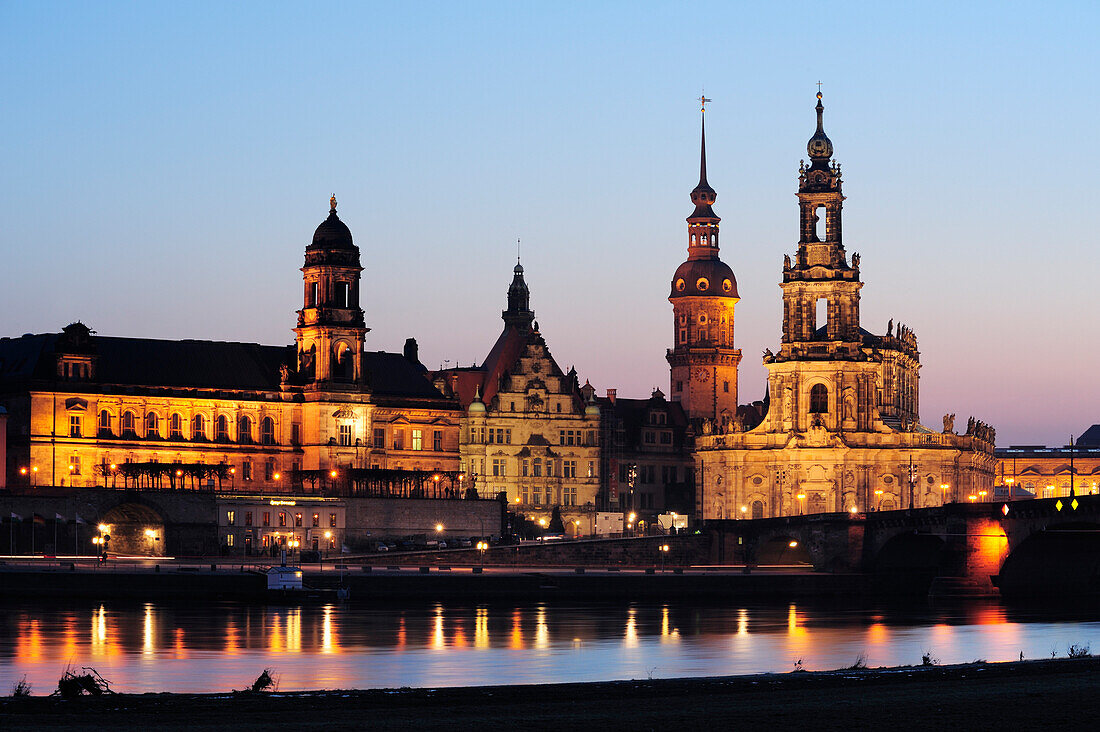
x=1063, y=693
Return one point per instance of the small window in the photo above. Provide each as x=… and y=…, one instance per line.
x=244, y=431
x=198, y=427
x=74, y=425
x=246, y=470
x=379, y=438
x=332, y=520
x=314, y=290
x=267, y=519
x=316, y=519
x=282, y=518
x=247, y=518
x=267, y=431
x=297, y=519
x=344, y=430
x=819, y=399
x=437, y=440
x=231, y=518
x=417, y=439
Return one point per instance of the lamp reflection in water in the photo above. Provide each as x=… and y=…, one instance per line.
x=669, y=634
x=517, y=630
x=328, y=642
x=439, y=642
x=481, y=628
x=542, y=631
x=630, y=639
x=148, y=646
x=742, y=622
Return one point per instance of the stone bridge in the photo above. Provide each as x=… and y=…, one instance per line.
x=1035, y=547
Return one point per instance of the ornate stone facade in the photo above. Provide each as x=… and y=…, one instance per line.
x=528, y=430
x=842, y=431
x=703, y=361
x=81, y=403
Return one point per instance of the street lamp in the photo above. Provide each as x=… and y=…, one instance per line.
x=328, y=541
x=943, y=489
x=878, y=498
x=801, y=502
x=438, y=528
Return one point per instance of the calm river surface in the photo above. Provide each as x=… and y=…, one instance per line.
x=214, y=647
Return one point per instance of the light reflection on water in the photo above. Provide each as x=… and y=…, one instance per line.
x=221, y=646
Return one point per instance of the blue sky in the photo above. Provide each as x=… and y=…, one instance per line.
x=166, y=163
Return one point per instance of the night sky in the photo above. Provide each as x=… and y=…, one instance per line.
x=165, y=165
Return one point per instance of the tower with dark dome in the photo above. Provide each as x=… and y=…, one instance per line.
x=331, y=328
x=703, y=361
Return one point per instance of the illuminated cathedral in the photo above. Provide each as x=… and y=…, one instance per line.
x=840, y=430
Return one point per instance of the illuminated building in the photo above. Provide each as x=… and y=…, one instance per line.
x=841, y=431
x=703, y=361
x=528, y=430
x=277, y=418
x=1036, y=471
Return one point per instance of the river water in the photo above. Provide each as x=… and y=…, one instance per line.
x=218, y=646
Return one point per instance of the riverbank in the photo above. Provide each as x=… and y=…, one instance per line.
x=1020, y=695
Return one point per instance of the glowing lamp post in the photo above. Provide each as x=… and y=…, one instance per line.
x=878, y=498
x=801, y=502
x=328, y=541
x=943, y=490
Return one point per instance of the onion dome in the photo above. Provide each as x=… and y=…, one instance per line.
x=703, y=277
x=820, y=147
x=332, y=233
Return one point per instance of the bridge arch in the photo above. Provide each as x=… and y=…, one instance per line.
x=1063, y=560
x=783, y=549
x=135, y=528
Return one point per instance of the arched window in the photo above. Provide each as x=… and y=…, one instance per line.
x=267, y=431
x=152, y=430
x=221, y=428
x=198, y=427
x=244, y=431
x=758, y=509
x=819, y=399
x=129, y=424
x=175, y=427
x=342, y=363
x=104, y=423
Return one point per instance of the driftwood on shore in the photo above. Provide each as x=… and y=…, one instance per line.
x=72, y=684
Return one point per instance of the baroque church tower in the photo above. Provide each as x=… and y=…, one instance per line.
x=331, y=327
x=703, y=360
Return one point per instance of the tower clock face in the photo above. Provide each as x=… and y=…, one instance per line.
x=702, y=374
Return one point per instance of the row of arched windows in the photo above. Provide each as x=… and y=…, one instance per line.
x=200, y=426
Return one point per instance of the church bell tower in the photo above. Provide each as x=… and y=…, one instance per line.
x=703, y=361
x=331, y=328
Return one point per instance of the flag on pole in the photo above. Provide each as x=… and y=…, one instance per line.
x=16, y=517
x=59, y=517
x=78, y=519
x=35, y=518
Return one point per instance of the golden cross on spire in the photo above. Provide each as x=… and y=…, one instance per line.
x=703, y=103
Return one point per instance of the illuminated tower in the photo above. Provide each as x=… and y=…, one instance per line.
x=703, y=360
x=821, y=278
x=330, y=328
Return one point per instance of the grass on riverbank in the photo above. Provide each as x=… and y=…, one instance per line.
x=1016, y=695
